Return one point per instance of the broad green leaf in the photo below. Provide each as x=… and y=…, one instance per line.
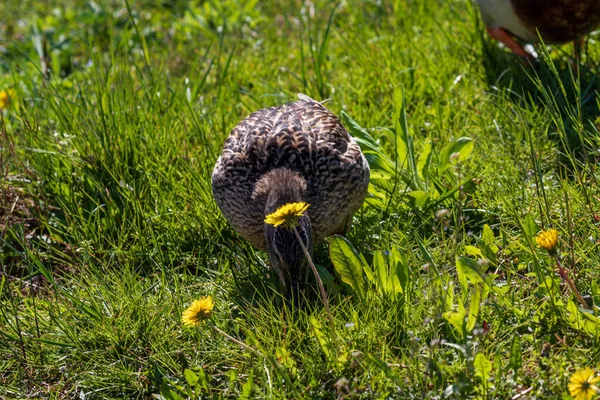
x=449, y=296
x=370, y=147
x=482, y=367
x=386, y=278
x=203, y=380
x=319, y=335
x=284, y=358
x=381, y=273
x=401, y=268
x=169, y=393
x=325, y=276
x=233, y=375
x=347, y=263
x=469, y=269
x=426, y=254
x=490, y=253
x=457, y=320
x=190, y=377
x=405, y=153
x=530, y=227
x=582, y=320
x=401, y=130
x=378, y=161
x=247, y=387
x=393, y=284
x=461, y=272
x=420, y=198
x=462, y=147
x=379, y=175
x=488, y=236
x=498, y=362
x=367, y=269
x=473, y=251
x=474, y=306
x=374, y=192
x=376, y=198
x=424, y=159
x=356, y=130
x=516, y=357
x=383, y=179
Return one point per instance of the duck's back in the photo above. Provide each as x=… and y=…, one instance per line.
x=304, y=137
x=559, y=21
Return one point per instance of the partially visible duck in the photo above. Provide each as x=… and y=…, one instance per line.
x=558, y=21
x=295, y=153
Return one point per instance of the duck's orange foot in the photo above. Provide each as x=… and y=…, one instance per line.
x=505, y=38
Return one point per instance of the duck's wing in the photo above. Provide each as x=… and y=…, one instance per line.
x=559, y=21
x=303, y=132
x=282, y=137
x=337, y=172
x=237, y=170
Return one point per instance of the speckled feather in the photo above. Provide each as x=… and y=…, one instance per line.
x=559, y=21
x=304, y=137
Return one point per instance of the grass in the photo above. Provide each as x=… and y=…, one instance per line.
x=109, y=231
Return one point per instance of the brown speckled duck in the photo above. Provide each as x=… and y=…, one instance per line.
x=297, y=152
x=558, y=21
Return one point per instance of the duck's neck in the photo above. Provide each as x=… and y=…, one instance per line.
x=276, y=188
x=279, y=187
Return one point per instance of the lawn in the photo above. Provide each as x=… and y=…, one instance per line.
x=114, y=115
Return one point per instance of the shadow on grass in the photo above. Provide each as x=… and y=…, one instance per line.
x=555, y=83
x=256, y=285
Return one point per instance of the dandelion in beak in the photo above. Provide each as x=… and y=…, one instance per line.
x=582, y=385
x=547, y=240
x=287, y=215
x=200, y=310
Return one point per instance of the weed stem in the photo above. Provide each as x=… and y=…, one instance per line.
x=319, y=282
x=238, y=342
x=563, y=274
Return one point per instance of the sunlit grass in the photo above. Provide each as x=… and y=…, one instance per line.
x=108, y=229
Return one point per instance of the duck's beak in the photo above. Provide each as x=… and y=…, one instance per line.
x=286, y=255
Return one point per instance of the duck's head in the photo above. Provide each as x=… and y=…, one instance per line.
x=284, y=188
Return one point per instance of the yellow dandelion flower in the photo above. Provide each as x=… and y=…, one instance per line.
x=198, y=311
x=582, y=385
x=547, y=240
x=287, y=214
x=6, y=96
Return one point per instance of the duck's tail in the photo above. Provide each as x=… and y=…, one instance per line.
x=304, y=97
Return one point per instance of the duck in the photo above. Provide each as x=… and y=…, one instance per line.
x=298, y=152
x=557, y=21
